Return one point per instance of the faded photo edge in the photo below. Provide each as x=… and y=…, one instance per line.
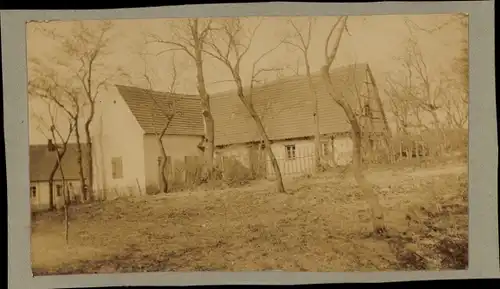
x=16, y=147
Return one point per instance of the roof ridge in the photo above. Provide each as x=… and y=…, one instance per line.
x=226, y=93
x=171, y=94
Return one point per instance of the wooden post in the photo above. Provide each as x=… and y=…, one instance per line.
x=138, y=186
x=401, y=149
x=417, y=154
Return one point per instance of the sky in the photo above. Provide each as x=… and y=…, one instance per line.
x=377, y=40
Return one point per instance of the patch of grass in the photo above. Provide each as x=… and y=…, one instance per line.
x=322, y=224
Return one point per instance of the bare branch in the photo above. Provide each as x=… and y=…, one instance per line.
x=413, y=25
x=177, y=46
x=330, y=54
x=173, y=82
x=231, y=30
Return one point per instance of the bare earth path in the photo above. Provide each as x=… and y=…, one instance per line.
x=322, y=224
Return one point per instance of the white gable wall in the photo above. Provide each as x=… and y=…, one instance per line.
x=116, y=133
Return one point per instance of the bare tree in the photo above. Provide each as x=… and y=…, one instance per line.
x=406, y=110
x=190, y=38
x=57, y=143
x=44, y=83
x=461, y=68
x=456, y=105
x=51, y=126
x=301, y=40
x=416, y=94
x=267, y=114
x=80, y=58
x=228, y=46
x=366, y=187
x=167, y=114
x=460, y=65
x=60, y=153
x=427, y=96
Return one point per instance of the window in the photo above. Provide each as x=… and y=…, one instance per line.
x=367, y=110
x=33, y=191
x=58, y=190
x=325, y=148
x=116, y=168
x=290, y=152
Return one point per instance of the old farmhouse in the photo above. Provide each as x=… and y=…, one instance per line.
x=43, y=170
x=126, y=147
x=286, y=109
x=127, y=153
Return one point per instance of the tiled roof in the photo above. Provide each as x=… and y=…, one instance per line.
x=147, y=108
x=42, y=162
x=285, y=107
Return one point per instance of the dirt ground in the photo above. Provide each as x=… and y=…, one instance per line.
x=321, y=224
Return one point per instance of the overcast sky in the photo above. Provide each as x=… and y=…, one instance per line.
x=376, y=40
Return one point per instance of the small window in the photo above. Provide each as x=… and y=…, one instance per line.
x=116, y=168
x=58, y=190
x=290, y=152
x=33, y=191
x=367, y=110
x=325, y=148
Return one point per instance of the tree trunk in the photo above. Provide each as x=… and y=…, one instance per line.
x=365, y=186
x=80, y=161
x=51, y=186
x=205, y=101
x=207, y=119
x=260, y=127
x=440, y=130
x=90, y=168
x=65, y=199
x=267, y=146
x=66, y=224
x=317, y=140
x=163, y=167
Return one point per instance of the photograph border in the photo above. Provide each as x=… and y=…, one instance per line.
x=483, y=152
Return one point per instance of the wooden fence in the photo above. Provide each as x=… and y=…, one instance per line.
x=236, y=167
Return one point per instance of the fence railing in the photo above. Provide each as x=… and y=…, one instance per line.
x=299, y=162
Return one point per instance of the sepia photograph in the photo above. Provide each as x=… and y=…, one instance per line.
x=262, y=143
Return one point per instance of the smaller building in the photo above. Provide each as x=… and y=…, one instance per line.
x=43, y=169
